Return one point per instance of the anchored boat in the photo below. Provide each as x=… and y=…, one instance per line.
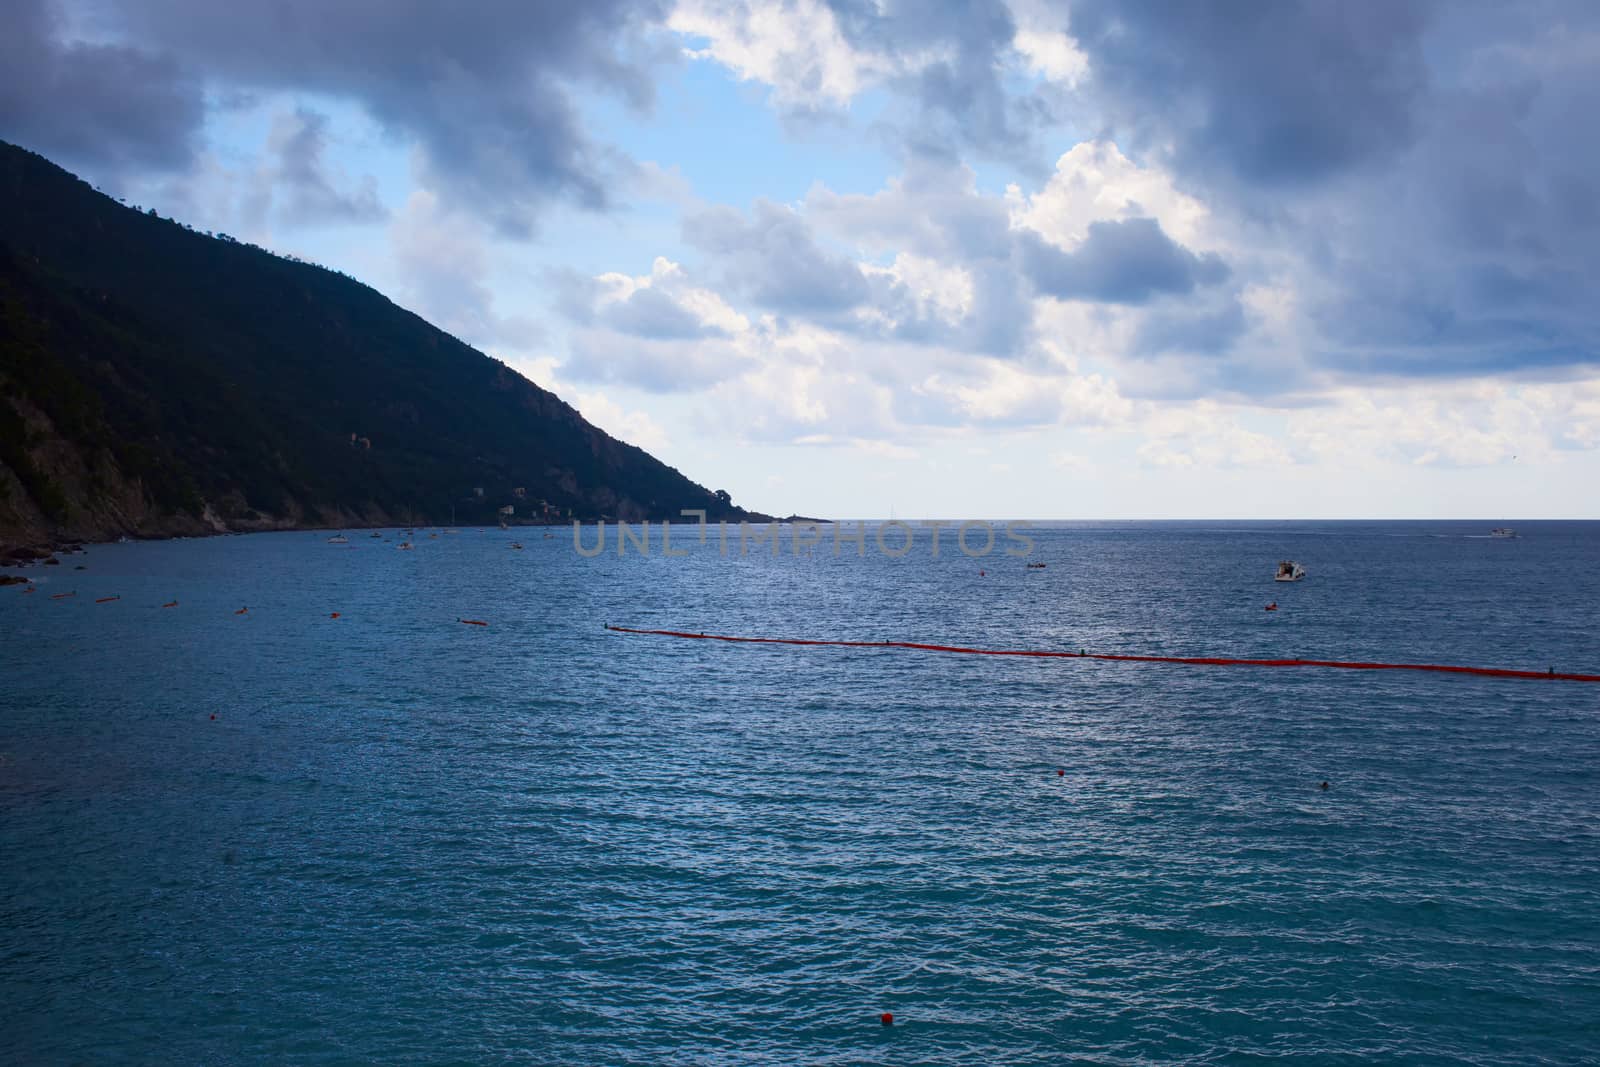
x=1289, y=571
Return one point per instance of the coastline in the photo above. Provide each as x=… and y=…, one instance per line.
x=23, y=551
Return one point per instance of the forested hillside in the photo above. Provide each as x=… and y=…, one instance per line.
x=156, y=380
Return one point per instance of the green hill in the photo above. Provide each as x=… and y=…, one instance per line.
x=155, y=380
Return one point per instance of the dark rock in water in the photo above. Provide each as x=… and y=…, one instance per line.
x=13, y=579
x=80, y=567
x=52, y=562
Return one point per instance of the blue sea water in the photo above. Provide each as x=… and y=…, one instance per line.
x=407, y=840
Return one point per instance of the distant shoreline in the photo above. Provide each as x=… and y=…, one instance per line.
x=26, y=552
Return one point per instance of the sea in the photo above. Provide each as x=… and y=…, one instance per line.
x=307, y=815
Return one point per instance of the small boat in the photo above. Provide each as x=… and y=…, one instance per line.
x=339, y=539
x=1289, y=571
x=376, y=534
x=517, y=545
x=1503, y=533
x=1037, y=566
x=404, y=546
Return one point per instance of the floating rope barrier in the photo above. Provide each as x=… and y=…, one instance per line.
x=1199, y=661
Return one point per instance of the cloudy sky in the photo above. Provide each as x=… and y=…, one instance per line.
x=1100, y=258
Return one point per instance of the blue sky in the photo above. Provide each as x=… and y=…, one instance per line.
x=996, y=258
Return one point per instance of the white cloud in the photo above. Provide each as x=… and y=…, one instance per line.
x=1044, y=43
x=1069, y=461
x=634, y=427
x=795, y=47
x=937, y=291
x=1203, y=435
x=1470, y=424
x=669, y=278
x=1095, y=182
x=1003, y=394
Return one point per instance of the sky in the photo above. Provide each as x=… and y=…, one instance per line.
x=989, y=259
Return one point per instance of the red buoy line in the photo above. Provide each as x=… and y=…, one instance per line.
x=1200, y=661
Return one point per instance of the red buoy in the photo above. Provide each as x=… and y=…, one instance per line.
x=1061, y=774
x=887, y=1018
x=335, y=615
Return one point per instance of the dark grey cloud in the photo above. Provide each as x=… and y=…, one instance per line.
x=1206, y=331
x=959, y=99
x=1346, y=149
x=1270, y=92
x=773, y=258
x=109, y=107
x=1480, y=253
x=1128, y=261
x=483, y=88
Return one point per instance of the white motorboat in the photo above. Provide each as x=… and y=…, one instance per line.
x=1289, y=571
x=1503, y=533
x=339, y=539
